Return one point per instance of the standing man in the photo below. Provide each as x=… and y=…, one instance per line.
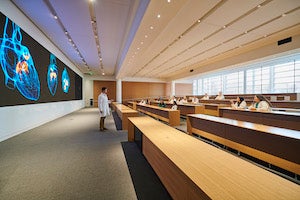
x=103, y=107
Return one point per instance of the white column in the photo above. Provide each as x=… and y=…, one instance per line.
x=173, y=88
x=119, y=91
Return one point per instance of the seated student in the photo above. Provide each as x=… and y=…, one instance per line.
x=162, y=103
x=205, y=97
x=240, y=103
x=183, y=100
x=174, y=107
x=142, y=102
x=220, y=96
x=260, y=104
x=195, y=100
x=172, y=99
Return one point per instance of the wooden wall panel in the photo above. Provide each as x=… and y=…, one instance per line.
x=168, y=89
x=111, y=86
x=132, y=90
x=182, y=89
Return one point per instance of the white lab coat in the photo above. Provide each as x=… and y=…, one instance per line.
x=261, y=106
x=103, y=105
x=243, y=104
x=220, y=97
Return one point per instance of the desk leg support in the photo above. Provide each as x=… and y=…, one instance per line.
x=188, y=126
x=130, y=131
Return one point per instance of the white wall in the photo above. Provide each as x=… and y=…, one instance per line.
x=17, y=119
x=89, y=92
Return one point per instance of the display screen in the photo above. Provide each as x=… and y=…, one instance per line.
x=29, y=73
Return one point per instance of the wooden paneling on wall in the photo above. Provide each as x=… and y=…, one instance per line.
x=168, y=89
x=142, y=89
x=182, y=89
x=111, y=86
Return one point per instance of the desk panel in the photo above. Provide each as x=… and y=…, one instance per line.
x=272, y=118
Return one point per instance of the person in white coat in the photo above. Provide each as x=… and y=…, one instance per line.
x=103, y=107
x=261, y=104
x=239, y=104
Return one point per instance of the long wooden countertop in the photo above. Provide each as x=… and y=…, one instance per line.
x=289, y=120
x=218, y=174
x=274, y=145
x=166, y=114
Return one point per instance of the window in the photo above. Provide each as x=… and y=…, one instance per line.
x=275, y=76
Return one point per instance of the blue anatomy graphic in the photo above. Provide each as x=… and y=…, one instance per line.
x=52, y=75
x=65, y=81
x=17, y=63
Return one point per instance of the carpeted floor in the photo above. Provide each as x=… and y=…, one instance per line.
x=146, y=183
x=69, y=158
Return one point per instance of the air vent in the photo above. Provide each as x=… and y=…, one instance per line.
x=88, y=73
x=286, y=40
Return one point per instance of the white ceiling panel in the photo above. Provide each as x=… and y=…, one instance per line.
x=162, y=53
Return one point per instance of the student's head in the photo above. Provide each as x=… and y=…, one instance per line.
x=259, y=98
x=240, y=99
x=104, y=89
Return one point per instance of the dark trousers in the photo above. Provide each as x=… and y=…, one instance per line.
x=102, y=123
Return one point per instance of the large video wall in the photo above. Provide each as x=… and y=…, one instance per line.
x=29, y=73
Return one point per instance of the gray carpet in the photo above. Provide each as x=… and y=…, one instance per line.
x=67, y=158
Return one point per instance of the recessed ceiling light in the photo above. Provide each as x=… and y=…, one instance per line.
x=151, y=27
x=142, y=42
x=246, y=32
x=258, y=6
x=70, y=40
x=158, y=16
x=138, y=48
x=168, y=1
x=283, y=15
x=224, y=26
x=103, y=73
x=199, y=21
x=66, y=32
x=146, y=36
x=100, y=59
x=55, y=17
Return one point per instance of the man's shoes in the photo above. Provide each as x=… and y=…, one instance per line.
x=105, y=128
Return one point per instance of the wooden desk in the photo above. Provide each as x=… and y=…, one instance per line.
x=132, y=104
x=213, y=109
x=213, y=101
x=277, y=146
x=192, y=169
x=124, y=112
x=281, y=119
x=286, y=104
x=165, y=114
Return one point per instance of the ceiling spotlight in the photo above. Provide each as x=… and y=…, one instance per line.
x=198, y=20
x=66, y=32
x=103, y=73
x=142, y=42
x=246, y=32
x=158, y=16
x=258, y=6
x=55, y=17
x=100, y=59
x=168, y=1
x=283, y=15
x=70, y=40
x=146, y=36
x=151, y=27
